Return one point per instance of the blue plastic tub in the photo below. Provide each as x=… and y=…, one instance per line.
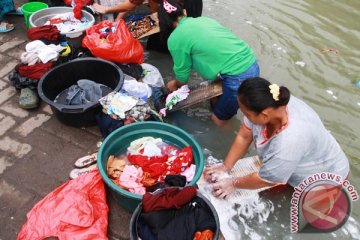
x=118, y=141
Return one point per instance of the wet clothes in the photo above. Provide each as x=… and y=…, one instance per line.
x=47, y=32
x=180, y=223
x=204, y=45
x=168, y=198
x=304, y=147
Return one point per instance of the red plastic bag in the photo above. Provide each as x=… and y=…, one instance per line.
x=119, y=46
x=75, y=210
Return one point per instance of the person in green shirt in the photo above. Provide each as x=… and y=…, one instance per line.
x=204, y=45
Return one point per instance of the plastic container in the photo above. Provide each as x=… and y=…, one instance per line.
x=29, y=8
x=42, y=16
x=63, y=76
x=135, y=216
x=118, y=141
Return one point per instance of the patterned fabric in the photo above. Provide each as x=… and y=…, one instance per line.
x=5, y=7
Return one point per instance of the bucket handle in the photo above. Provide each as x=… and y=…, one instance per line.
x=72, y=110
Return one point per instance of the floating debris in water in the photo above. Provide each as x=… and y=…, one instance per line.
x=274, y=44
x=358, y=104
x=357, y=83
x=335, y=97
x=249, y=22
x=300, y=63
x=279, y=48
x=330, y=50
x=263, y=27
x=284, y=51
x=232, y=13
x=330, y=92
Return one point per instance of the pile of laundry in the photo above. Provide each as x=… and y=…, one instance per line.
x=175, y=212
x=147, y=163
x=47, y=49
x=139, y=99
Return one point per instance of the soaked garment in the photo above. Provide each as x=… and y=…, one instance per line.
x=131, y=179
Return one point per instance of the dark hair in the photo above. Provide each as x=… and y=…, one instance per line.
x=166, y=20
x=255, y=94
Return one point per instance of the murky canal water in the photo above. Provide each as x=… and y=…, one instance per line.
x=288, y=37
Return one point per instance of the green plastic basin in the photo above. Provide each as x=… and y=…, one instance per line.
x=118, y=141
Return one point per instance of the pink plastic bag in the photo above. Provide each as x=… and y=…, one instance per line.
x=119, y=46
x=75, y=210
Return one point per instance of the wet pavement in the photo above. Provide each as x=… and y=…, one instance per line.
x=37, y=152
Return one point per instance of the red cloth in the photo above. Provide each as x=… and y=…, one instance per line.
x=155, y=165
x=48, y=32
x=160, y=166
x=182, y=161
x=168, y=198
x=75, y=210
x=35, y=71
x=79, y=4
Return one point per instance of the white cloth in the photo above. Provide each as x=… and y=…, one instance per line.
x=139, y=144
x=137, y=89
x=45, y=52
x=173, y=98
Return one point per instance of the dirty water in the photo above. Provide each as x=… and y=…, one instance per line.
x=313, y=48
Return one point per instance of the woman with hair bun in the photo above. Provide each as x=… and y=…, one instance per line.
x=289, y=138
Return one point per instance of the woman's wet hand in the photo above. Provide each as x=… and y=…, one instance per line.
x=211, y=172
x=224, y=188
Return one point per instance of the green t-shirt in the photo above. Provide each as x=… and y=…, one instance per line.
x=204, y=45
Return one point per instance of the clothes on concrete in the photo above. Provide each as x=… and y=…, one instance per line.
x=303, y=147
x=204, y=45
x=20, y=82
x=45, y=52
x=5, y=7
x=35, y=71
x=227, y=105
x=48, y=32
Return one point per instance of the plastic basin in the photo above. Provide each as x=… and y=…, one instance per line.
x=63, y=76
x=118, y=141
x=29, y=8
x=136, y=214
x=41, y=17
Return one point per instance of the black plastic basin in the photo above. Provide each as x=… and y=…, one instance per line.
x=63, y=76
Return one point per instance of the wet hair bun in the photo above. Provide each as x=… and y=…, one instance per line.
x=284, y=96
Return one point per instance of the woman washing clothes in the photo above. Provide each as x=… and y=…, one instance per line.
x=204, y=45
x=5, y=7
x=289, y=137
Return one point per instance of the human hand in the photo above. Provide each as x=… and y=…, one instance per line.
x=172, y=85
x=224, y=188
x=211, y=172
x=99, y=8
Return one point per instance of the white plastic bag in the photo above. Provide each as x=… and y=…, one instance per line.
x=152, y=75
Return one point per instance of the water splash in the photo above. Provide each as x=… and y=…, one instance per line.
x=241, y=216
